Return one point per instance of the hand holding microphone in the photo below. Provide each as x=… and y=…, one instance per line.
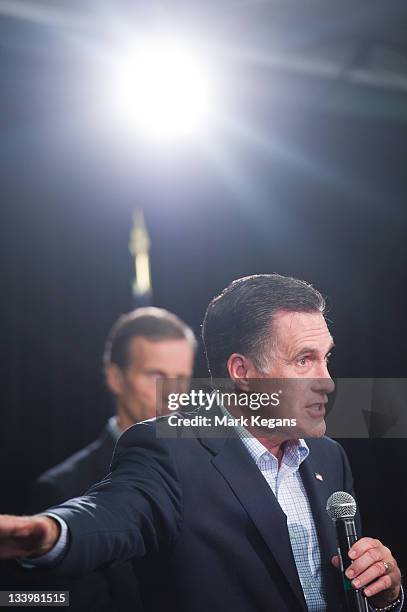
x=369, y=568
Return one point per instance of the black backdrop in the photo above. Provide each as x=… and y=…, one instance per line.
x=319, y=194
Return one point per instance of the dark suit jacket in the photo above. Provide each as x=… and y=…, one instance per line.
x=201, y=523
x=75, y=475
x=112, y=590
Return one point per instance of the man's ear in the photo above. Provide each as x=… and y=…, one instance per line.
x=114, y=378
x=241, y=369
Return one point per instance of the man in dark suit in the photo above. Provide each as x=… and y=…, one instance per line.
x=229, y=520
x=142, y=346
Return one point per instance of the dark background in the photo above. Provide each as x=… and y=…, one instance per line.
x=305, y=175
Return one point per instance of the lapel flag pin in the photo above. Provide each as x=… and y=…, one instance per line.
x=319, y=476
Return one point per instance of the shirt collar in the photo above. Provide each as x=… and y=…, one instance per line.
x=113, y=428
x=295, y=451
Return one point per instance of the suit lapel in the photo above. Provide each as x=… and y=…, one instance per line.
x=250, y=487
x=104, y=454
x=318, y=492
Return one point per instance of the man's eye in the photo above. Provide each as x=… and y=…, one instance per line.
x=302, y=361
x=155, y=375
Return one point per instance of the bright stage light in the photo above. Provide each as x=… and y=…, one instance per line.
x=163, y=89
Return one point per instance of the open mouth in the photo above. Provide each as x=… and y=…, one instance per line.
x=316, y=410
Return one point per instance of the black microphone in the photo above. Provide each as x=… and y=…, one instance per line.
x=341, y=507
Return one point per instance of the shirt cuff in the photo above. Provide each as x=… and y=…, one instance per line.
x=57, y=551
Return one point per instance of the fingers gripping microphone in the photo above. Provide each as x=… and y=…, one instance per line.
x=341, y=507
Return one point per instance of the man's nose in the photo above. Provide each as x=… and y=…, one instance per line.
x=170, y=385
x=325, y=384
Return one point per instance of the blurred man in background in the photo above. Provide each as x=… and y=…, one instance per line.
x=143, y=346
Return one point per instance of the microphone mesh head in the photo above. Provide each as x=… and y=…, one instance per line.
x=341, y=505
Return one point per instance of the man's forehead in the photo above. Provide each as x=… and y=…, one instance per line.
x=164, y=352
x=293, y=325
x=299, y=319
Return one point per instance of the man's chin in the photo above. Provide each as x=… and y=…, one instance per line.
x=316, y=432
x=310, y=431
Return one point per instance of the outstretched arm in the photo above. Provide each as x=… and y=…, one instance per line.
x=136, y=509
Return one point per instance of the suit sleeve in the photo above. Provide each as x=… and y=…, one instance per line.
x=135, y=510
